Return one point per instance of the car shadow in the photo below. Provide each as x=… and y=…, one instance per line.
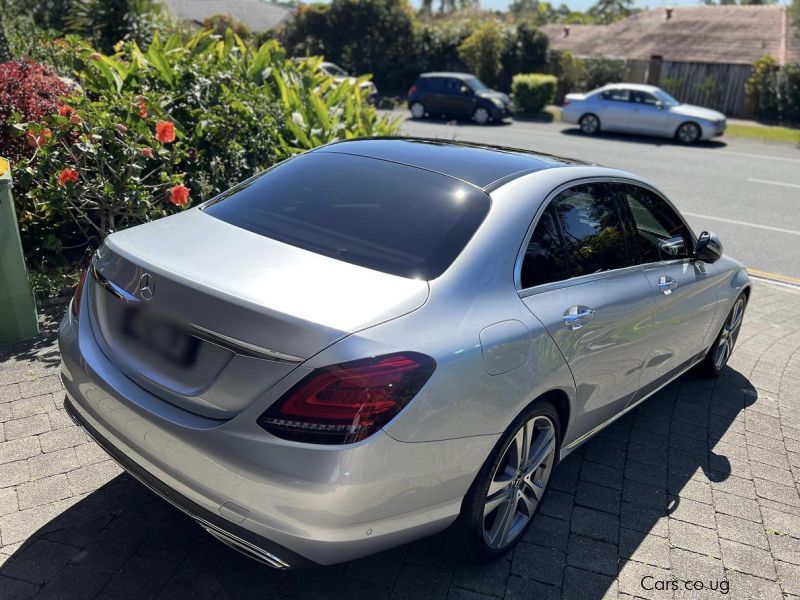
x=460, y=122
x=645, y=139
x=607, y=500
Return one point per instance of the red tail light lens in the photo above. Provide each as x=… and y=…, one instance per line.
x=412, y=89
x=346, y=403
x=565, y=103
x=76, y=297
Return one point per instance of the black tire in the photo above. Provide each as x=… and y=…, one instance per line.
x=717, y=357
x=688, y=133
x=589, y=124
x=471, y=525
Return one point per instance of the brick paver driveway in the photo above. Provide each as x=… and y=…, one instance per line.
x=700, y=484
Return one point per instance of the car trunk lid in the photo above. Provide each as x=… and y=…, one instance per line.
x=209, y=316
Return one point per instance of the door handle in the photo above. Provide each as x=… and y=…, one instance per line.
x=576, y=316
x=666, y=285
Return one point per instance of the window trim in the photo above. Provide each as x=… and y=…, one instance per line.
x=543, y=287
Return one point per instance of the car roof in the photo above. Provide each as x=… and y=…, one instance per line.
x=642, y=87
x=483, y=166
x=453, y=74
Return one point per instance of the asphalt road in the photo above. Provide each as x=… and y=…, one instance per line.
x=746, y=191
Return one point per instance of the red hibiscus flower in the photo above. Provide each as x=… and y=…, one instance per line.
x=66, y=110
x=38, y=139
x=179, y=195
x=66, y=176
x=165, y=132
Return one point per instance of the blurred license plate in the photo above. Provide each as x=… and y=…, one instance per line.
x=161, y=337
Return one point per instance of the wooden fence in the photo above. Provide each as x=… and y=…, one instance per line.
x=716, y=86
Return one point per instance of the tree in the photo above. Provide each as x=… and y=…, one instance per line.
x=607, y=11
x=794, y=12
x=364, y=36
x=482, y=52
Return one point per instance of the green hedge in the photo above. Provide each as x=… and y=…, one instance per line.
x=533, y=91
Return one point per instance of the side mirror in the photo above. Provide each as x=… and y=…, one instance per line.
x=659, y=105
x=708, y=248
x=465, y=90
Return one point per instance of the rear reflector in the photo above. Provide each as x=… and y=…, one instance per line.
x=412, y=89
x=348, y=402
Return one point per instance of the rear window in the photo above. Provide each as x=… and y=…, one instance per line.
x=373, y=213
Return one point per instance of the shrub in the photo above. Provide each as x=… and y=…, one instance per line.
x=482, y=52
x=571, y=73
x=364, y=36
x=533, y=91
x=28, y=91
x=600, y=71
x=157, y=131
x=761, y=89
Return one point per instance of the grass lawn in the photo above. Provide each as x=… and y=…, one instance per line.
x=763, y=132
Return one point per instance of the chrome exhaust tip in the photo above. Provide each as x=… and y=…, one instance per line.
x=246, y=548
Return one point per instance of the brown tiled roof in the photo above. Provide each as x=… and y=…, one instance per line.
x=256, y=15
x=707, y=34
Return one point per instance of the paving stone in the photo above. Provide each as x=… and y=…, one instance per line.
x=635, y=578
x=536, y=562
x=781, y=522
x=747, y=587
x=557, y=504
x=595, y=524
x=586, y=585
x=693, y=537
x=647, y=549
x=736, y=506
x=40, y=386
x=26, y=426
x=643, y=519
x=53, y=463
x=43, y=491
x=419, y=582
x=769, y=456
x=549, y=532
x=785, y=548
x=599, y=497
x=592, y=555
x=488, y=578
x=14, y=589
x=742, y=530
x=789, y=577
x=18, y=527
x=90, y=477
x=602, y=475
x=691, y=511
x=139, y=578
x=73, y=581
x=696, y=575
x=61, y=438
x=770, y=473
x=747, y=559
x=643, y=494
x=520, y=588
x=736, y=486
x=19, y=449
x=14, y=473
x=40, y=562
x=777, y=492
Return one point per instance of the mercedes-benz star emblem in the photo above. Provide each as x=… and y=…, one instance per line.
x=146, y=286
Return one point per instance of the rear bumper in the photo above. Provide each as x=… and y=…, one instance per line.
x=281, y=502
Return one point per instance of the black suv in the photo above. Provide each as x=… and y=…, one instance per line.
x=457, y=95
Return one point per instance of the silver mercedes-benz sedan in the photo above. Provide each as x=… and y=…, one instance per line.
x=379, y=338
x=643, y=109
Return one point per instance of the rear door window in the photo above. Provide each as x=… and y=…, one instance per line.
x=617, y=95
x=369, y=212
x=545, y=260
x=594, y=233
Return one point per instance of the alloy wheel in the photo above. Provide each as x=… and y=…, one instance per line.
x=417, y=110
x=481, y=116
x=729, y=334
x=590, y=124
x=519, y=482
x=688, y=133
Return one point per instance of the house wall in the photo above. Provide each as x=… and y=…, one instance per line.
x=717, y=86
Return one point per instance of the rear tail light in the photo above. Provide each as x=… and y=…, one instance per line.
x=76, y=296
x=412, y=89
x=348, y=402
x=565, y=103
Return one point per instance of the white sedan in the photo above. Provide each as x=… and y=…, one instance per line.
x=643, y=109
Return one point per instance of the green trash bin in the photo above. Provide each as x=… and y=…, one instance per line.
x=17, y=305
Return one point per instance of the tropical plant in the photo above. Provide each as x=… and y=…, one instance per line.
x=570, y=71
x=600, y=71
x=533, y=91
x=483, y=50
x=157, y=130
